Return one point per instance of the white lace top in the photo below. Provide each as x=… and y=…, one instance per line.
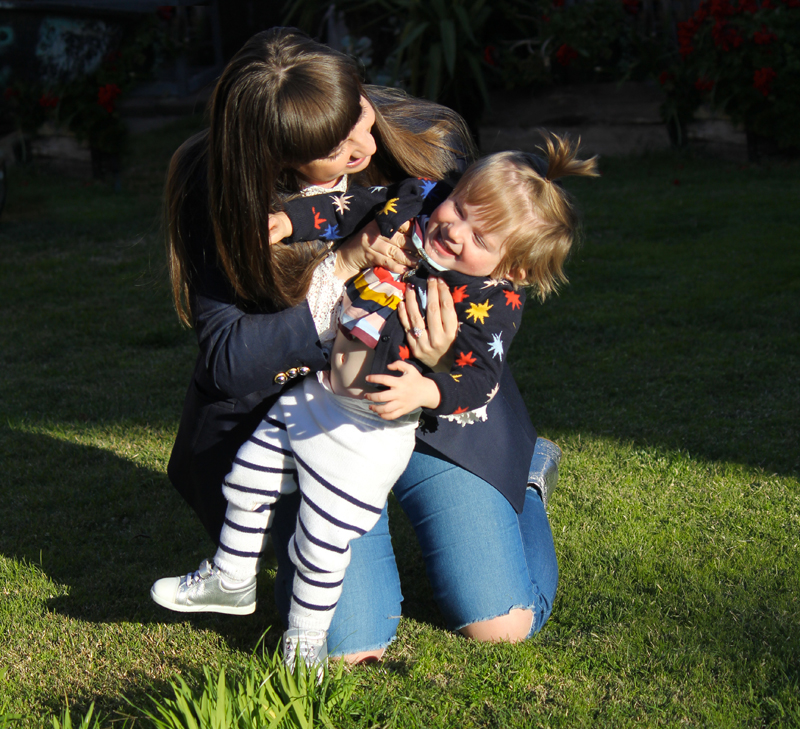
x=325, y=291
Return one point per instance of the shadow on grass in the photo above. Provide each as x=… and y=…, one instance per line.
x=679, y=328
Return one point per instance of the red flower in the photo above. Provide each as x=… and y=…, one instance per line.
x=490, y=55
x=558, y=3
x=704, y=84
x=165, y=12
x=566, y=54
x=792, y=3
x=720, y=9
x=763, y=78
x=11, y=93
x=748, y=6
x=764, y=37
x=545, y=18
x=725, y=36
x=107, y=95
x=665, y=77
x=686, y=33
x=48, y=102
x=768, y=5
x=632, y=6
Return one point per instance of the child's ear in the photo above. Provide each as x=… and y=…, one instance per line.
x=517, y=275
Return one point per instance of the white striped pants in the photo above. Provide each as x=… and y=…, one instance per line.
x=344, y=458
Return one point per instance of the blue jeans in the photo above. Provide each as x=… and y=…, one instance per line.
x=482, y=558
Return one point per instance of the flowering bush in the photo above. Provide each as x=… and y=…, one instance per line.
x=742, y=57
x=592, y=40
x=86, y=105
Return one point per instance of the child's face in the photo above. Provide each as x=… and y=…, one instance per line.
x=456, y=238
x=351, y=156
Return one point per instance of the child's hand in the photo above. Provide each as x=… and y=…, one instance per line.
x=280, y=227
x=406, y=393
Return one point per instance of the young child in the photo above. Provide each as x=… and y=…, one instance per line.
x=508, y=223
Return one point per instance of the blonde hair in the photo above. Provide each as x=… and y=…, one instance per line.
x=519, y=195
x=285, y=100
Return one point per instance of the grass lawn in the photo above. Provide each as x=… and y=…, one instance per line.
x=668, y=372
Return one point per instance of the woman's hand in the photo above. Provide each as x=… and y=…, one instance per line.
x=369, y=248
x=431, y=342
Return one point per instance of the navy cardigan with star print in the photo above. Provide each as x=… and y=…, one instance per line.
x=489, y=313
x=489, y=310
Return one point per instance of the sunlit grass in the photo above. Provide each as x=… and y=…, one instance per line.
x=667, y=371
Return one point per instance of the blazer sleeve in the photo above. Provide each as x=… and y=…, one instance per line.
x=242, y=348
x=489, y=319
x=243, y=351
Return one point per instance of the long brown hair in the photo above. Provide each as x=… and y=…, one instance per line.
x=283, y=101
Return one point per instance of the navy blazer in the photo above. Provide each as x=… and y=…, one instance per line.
x=243, y=351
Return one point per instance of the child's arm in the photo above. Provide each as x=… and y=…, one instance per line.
x=490, y=316
x=409, y=391
x=332, y=216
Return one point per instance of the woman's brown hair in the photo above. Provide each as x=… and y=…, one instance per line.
x=283, y=101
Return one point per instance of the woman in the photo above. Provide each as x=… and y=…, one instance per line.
x=289, y=114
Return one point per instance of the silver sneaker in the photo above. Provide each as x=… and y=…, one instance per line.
x=310, y=645
x=205, y=591
x=543, y=475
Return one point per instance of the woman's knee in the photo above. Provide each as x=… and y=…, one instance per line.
x=513, y=627
x=362, y=657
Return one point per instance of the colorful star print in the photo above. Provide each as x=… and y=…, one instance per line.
x=377, y=188
x=465, y=360
x=460, y=293
x=427, y=186
x=496, y=345
x=423, y=298
x=390, y=207
x=479, y=312
x=318, y=219
x=342, y=202
x=330, y=233
x=404, y=353
x=512, y=299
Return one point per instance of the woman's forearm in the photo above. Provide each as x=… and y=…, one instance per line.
x=243, y=352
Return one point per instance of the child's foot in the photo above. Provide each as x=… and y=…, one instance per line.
x=310, y=645
x=205, y=591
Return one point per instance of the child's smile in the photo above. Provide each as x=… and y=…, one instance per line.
x=456, y=239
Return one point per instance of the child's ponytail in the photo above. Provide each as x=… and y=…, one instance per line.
x=520, y=196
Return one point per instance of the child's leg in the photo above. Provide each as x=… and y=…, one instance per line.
x=347, y=462
x=262, y=470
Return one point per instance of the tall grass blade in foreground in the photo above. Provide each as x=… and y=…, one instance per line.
x=89, y=721
x=263, y=695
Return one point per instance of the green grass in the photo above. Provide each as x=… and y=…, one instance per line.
x=667, y=371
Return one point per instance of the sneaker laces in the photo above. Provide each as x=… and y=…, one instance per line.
x=205, y=570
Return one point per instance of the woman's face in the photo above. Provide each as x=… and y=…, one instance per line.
x=351, y=156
